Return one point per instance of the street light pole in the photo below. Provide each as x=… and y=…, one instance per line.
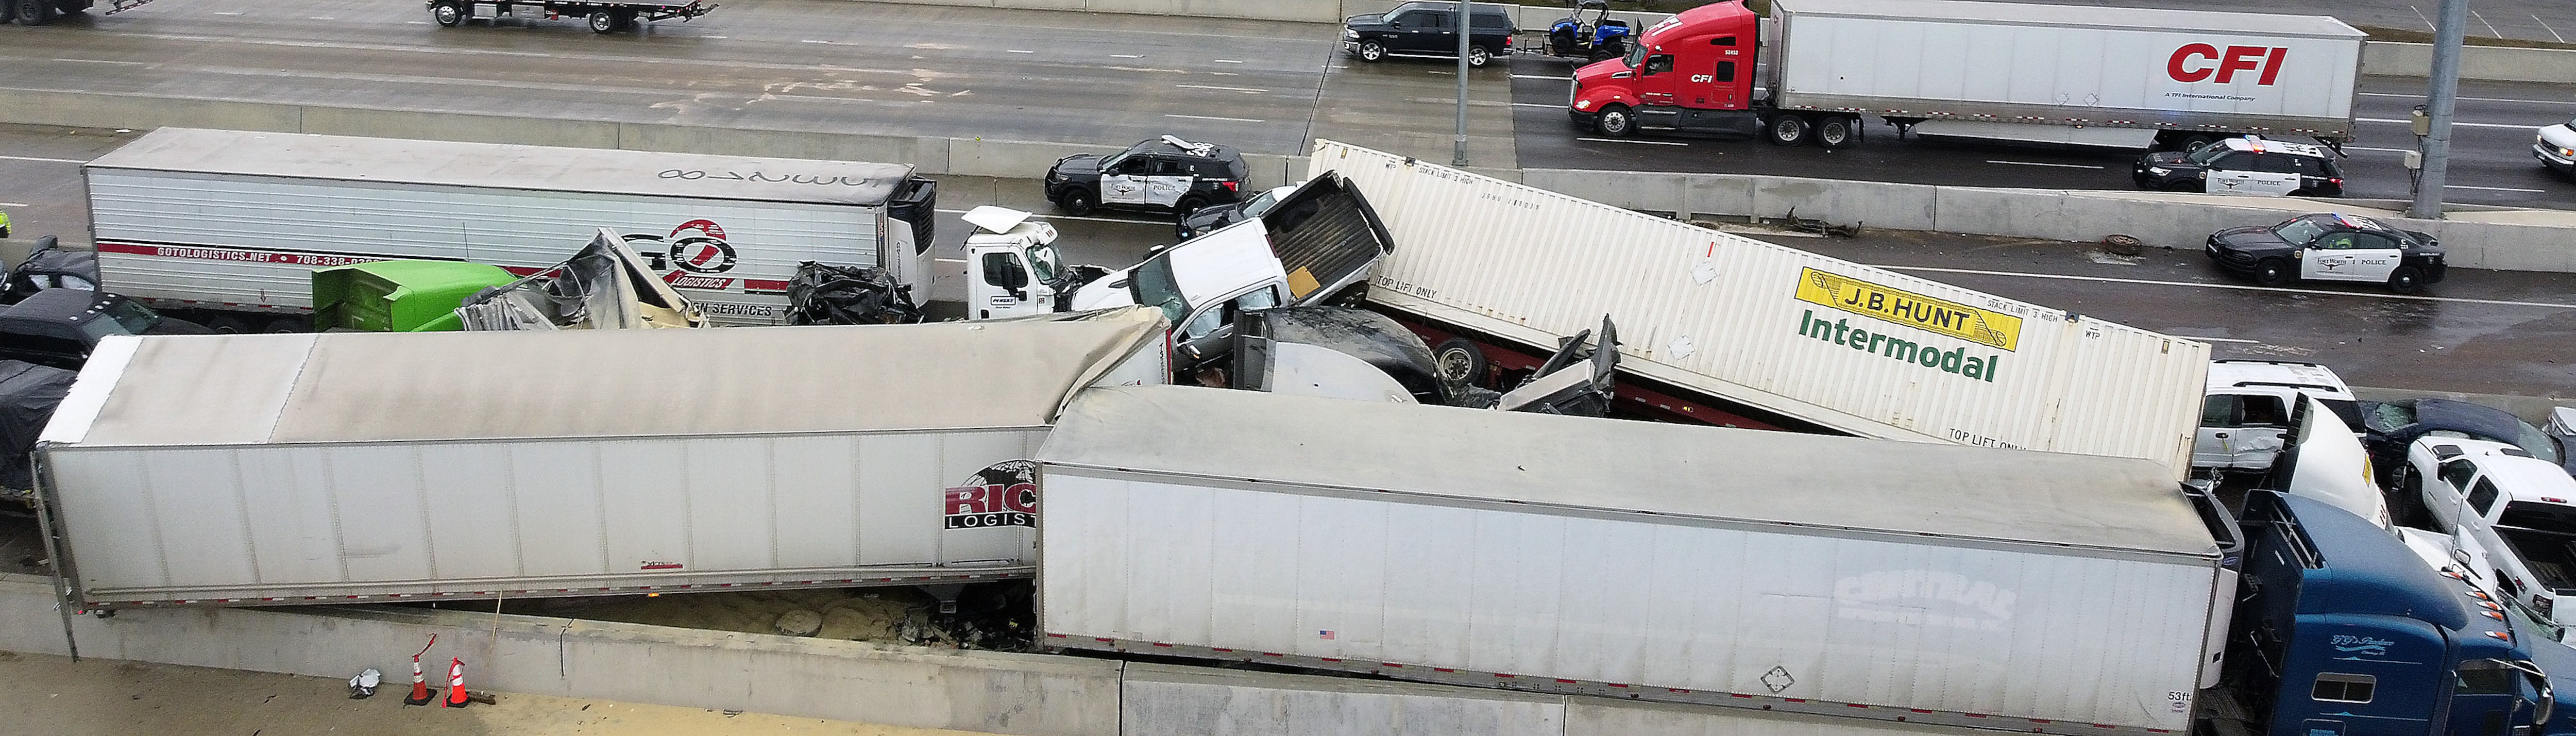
x=1466, y=29
x=2442, y=100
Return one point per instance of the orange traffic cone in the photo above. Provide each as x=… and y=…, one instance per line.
x=456, y=683
x=420, y=692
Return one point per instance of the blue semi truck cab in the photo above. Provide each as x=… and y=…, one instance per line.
x=2343, y=631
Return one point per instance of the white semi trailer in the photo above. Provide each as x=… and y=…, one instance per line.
x=1917, y=582
x=1723, y=329
x=227, y=226
x=370, y=467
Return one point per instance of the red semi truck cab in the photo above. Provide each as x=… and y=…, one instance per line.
x=1693, y=71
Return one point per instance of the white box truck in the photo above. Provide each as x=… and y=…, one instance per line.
x=1900, y=581
x=370, y=467
x=1724, y=329
x=2104, y=76
x=227, y=226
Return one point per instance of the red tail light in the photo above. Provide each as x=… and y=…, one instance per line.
x=1230, y=186
x=1507, y=42
x=2336, y=182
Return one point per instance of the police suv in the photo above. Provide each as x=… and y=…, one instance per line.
x=1165, y=174
x=2250, y=165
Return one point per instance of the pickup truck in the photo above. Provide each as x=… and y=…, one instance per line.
x=59, y=327
x=1316, y=242
x=2520, y=510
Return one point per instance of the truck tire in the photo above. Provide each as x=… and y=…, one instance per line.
x=449, y=13
x=225, y=324
x=2406, y=280
x=602, y=21
x=2272, y=272
x=1788, y=130
x=34, y=12
x=1615, y=122
x=1834, y=132
x=1076, y=202
x=1458, y=362
x=1372, y=51
x=1478, y=57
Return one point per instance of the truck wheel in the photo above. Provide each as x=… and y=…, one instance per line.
x=2272, y=272
x=1076, y=202
x=1615, y=122
x=2194, y=141
x=226, y=324
x=35, y=12
x=2406, y=280
x=602, y=21
x=1478, y=57
x=1788, y=130
x=284, y=325
x=1372, y=51
x=1458, y=362
x=1835, y=132
x=448, y=14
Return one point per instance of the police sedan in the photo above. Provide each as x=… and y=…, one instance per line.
x=2329, y=247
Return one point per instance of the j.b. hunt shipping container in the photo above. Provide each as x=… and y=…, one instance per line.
x=235, y=222
x=1729, y=330
x=349, y=467
x=1900, y=581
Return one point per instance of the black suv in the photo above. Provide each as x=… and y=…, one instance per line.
x=1165, y=174
x=2249, y=165
x=1428, y=29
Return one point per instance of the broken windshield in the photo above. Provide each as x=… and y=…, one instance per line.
x=1154, y=287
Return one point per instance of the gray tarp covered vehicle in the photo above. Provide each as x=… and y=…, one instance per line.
x=28, y=395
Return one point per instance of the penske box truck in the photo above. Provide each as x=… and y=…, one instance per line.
x=2119, y=77
x=357, y=467
x=226, y=227
x=1725, y=329
x=1924, y=586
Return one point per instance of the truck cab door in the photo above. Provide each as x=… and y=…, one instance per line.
x=2442, y=495
x=2217, y=427
x=2488, y=698
x=1656, y=82
x=1727, y=84
x=1124, y=182
x=998, y=283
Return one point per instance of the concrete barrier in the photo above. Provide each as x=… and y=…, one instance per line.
x=1312, y=11
x=2490, y=63
x=1165, y=700
x=1039, y=695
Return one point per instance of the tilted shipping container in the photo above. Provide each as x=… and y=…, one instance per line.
x=1901, y=581
x=1850, y=348
x=348, y=467
x=237, y=221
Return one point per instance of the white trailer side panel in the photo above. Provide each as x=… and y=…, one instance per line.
x=250, y=522
x=2060, y=65
x=1632, y=601
x=1771, y=326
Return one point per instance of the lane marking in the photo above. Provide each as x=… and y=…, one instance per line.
x=1228, y=61
x=416, y=22
x=15, y=204
x=2419, y=15
x=1226, y=74
x=2495, y=189
x=2036, y=163
x=2553, y=32
x=1212, y=117
x=104, y=61
x=2238, y=287
x=2475, y=99
x=2491, y=29
x=1625, y=140
x=2186, y=337
x=2454, y=123
x=1538, y=76
x=1126, y=56
x=1245, y=90
x=1534, y=104
x=46, y=160
x=2380, y=150
x=1119, y=220
x=1018, y=51
x=226, y=12
x=826, y=43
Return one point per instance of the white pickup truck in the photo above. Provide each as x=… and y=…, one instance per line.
x=1316, y=242
x=2520, y=510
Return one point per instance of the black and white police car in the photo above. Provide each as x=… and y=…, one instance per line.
x=2250, y=165
x=2329, y=247
x=1165, y=174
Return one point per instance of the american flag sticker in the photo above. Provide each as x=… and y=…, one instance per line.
x=1324, y=634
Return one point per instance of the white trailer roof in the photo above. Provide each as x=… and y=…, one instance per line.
x=507, y=166
x=191, y=390
x=2084, y=501
x=2152, y=19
